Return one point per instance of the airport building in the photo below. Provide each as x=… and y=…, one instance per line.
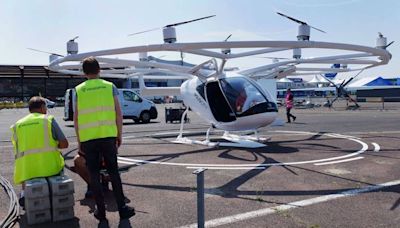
x=20, y=82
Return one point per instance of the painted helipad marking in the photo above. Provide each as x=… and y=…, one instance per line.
x=297, y=204
x=224, y=166
x=340, y=161
x=377, y=148
x=227, y=168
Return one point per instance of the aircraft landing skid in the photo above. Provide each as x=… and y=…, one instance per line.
x=240, y=141
x=235, y=141
x=185, y=140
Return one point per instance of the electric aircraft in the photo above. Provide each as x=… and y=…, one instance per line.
x=227, y=100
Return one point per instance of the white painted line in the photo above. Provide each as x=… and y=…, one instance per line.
x=362, y=150
x=377, y=147
x=128, y=163
x=297, y=204
x=219, y=168
x=340, y=161
x=374, y=132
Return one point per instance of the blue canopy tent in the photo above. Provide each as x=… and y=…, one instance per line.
x=379, y=82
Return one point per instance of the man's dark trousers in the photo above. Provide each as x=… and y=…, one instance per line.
x=94, y=150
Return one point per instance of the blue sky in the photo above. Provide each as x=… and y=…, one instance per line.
x=47, y=25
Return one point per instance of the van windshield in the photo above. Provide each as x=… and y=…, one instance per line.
x=130, y=96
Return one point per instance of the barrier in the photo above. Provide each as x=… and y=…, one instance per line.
x=200, y=197
x=13, y=105
x=376, y=100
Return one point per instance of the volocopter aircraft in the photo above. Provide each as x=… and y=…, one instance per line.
x=229, y=100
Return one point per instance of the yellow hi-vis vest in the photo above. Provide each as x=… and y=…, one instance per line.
x=35, y=150
x=96, y=110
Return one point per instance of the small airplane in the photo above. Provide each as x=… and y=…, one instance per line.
x=232, y=100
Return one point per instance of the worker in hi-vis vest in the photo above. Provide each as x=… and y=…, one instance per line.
x=37, y=139
x=98, y=126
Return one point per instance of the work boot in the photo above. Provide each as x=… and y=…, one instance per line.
x=103, y=224
x=89, y=194
x=126, y=212
x=294, y=118
x=99, y=216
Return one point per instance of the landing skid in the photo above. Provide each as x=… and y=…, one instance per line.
x=240, y=141
x=245, y=141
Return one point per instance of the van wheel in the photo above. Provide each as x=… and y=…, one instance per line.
x=145, y=117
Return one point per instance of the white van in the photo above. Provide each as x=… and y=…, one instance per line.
x=133, y=106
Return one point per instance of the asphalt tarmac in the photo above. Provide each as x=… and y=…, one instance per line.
x=330, y=168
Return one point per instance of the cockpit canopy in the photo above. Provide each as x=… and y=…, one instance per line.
x=234, y=97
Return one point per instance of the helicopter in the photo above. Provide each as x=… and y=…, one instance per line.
x=232, y=101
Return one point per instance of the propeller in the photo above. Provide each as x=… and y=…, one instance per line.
x=51, y=53
x=228, y=37
x=268, y=57
x=73, y=39
x=185, y=22
x=389, y=44
x=380, y=38
x=341, y=91
x=171, y=25
x=299, y=22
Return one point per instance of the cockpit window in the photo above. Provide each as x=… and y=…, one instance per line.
x=200, y=90
x=242, y=95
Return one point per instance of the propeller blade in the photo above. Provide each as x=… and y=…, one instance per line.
x=185, y=22
x=300, y=22
x=268, y=57
x=389, y=44
x=341, y=84
x=317, y=29
x=45, y=52
x=170, y=25
x=328, y=80
x=149, y=30
x=346, y=95
x=345, y=84
x=73, y=39
x=228, y=37
x=291, y=18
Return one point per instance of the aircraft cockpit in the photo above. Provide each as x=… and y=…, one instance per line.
x=235, y=97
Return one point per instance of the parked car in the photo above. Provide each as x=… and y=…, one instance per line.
x=133, y=106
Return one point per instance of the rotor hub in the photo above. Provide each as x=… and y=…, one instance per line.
x=303, y=32
x=143, y=56
x=381, y=42
x=72, y=47
x=169, y=34
x=297, y=53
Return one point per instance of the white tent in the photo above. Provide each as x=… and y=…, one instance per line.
x=315, y=79
x=285, y=80
x=323, y=80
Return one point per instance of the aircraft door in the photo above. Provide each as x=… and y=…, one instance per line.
x=218, y=104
